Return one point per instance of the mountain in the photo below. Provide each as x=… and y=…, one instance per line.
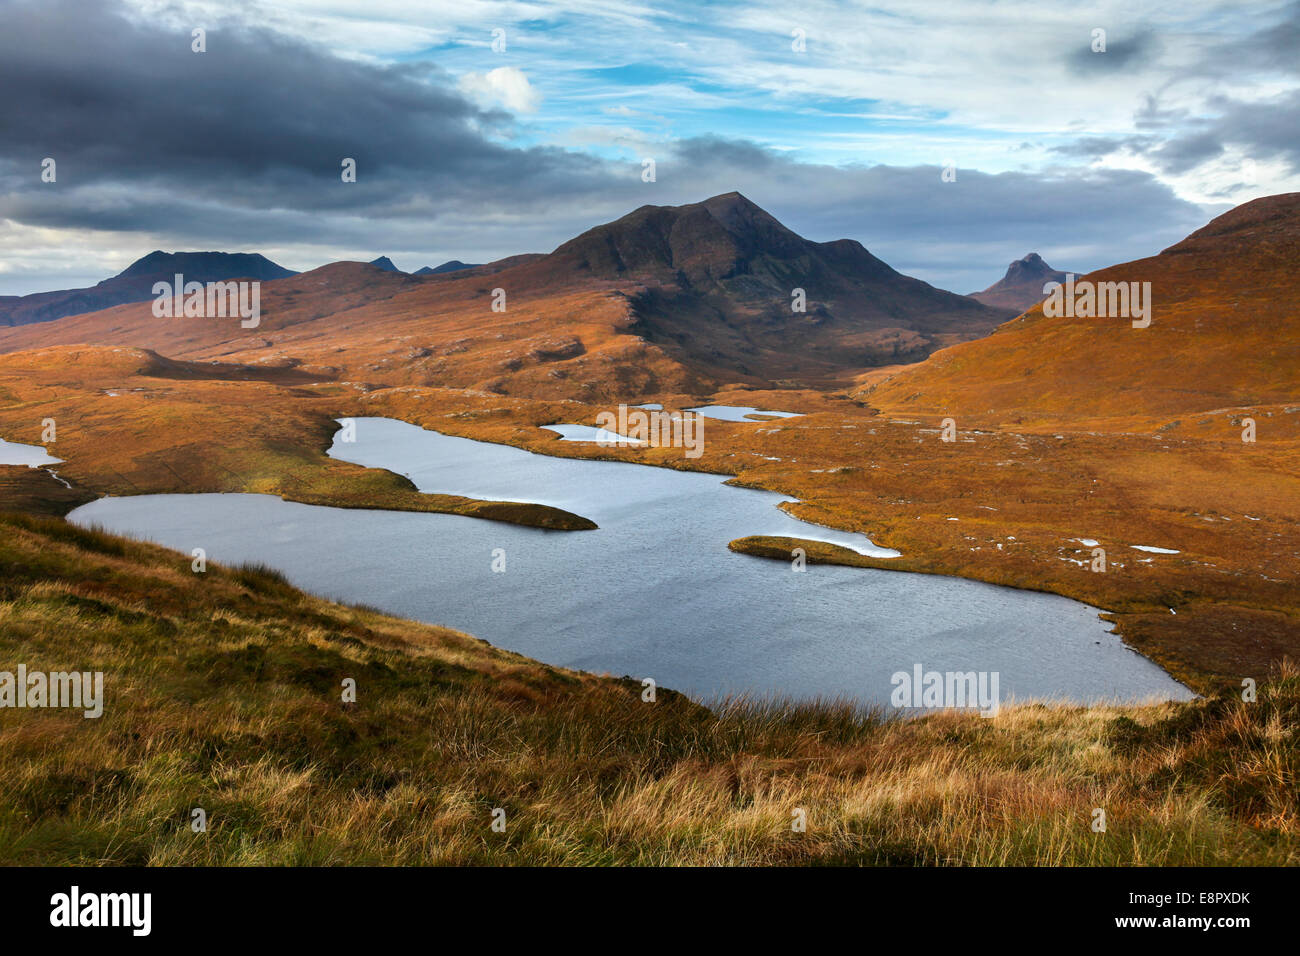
x=1022, y=286
x=678, y=299
x=385, y=263
x=135, y=284
x=206, y=266
x=715, y=283
x=1224, y=333
x=452, y=265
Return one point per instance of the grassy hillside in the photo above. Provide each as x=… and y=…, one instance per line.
x=1224, y=336
x=132, y=422
x=223, y=692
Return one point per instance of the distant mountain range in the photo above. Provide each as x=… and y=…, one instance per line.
x=1022, y=286
x=690, y=298
x=719, y=289
x=135, y=284
x=454, y=265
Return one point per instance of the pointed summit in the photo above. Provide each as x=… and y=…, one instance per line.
x=724, y=280
x=385, y=263
x=1022, y=286
x=701, y=243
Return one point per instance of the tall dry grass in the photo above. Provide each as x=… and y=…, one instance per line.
x=223, y=692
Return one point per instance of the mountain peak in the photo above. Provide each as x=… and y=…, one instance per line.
x=385, y=263
x=717, y=277
x=1031, y=267
x=1022, y=285
x=698, y=243
x=206, y=266
x=1225, y=304
x=731, y=200
x=135, y=284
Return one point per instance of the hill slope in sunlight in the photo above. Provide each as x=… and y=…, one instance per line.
x=1224, y=333
x=677, y=299
x=223, y=690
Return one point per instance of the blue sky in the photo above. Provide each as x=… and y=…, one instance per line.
x=1088, y=157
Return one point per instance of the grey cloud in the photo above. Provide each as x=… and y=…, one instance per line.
x=1150, y=116
x=1095, y=147
x=1272, y=48
x=1121, y=52
x=239, y=148
x=1184, y=153
x=1267, y=129
x=259, y=120
x=1262, y=129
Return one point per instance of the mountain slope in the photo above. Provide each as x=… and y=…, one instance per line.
x=714, y=282
x=135, y=284
x=1022, y=286
x=1224, y=333
x=679, y=299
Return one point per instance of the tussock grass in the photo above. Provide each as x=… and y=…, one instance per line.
x=224, y=692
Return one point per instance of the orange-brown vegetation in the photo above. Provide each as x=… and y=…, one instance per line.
x=1067, y=429
x=222, y=691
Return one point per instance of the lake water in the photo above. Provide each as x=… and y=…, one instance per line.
x=33, y=456
x=654, y=592
x=592, y=434
x=738, y=413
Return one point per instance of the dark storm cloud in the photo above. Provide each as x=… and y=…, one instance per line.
x=259, y=120
x=239, y=147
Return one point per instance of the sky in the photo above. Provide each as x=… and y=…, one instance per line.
x=1090, y=133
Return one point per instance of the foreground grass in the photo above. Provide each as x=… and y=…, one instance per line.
x=223, y=692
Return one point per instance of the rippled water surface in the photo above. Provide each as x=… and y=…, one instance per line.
x=654, y=592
